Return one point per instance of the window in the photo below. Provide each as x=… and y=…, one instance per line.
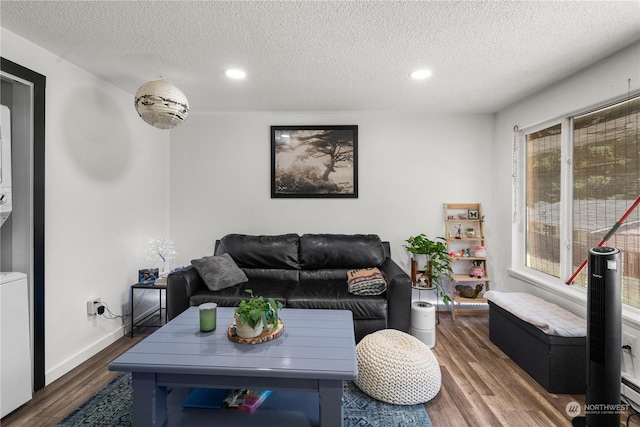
x=600, y=164
x=543, y=201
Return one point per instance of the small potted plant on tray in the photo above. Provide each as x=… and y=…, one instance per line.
x=255, y=314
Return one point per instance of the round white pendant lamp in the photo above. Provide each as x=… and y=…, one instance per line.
x=161, y=104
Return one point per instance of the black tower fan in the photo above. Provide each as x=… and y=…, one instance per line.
x=604, y=339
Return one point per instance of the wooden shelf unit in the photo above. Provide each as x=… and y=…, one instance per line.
x=458, y=241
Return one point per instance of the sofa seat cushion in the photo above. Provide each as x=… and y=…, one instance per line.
x=231, y=297
x=333, y=294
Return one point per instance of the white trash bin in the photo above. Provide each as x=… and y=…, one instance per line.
x=423, y=322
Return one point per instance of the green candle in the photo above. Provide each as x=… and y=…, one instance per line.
x=208, y=316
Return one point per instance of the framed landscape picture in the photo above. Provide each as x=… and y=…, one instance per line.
x=314, y=161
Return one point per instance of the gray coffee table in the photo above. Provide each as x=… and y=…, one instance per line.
x=315, y=354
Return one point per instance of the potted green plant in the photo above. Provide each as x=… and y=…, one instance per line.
x=418, y=246
x=438, y=261
x=471, y=232
x=255, y=314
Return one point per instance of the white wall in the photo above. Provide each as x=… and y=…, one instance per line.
x=409, y=165
x=106, y=195
x=604, y=81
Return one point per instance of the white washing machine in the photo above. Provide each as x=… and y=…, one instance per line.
x=15, y=338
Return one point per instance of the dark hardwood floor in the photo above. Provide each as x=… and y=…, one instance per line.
x=481, y=387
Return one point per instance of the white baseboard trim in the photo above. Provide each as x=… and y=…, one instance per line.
x=66, y=366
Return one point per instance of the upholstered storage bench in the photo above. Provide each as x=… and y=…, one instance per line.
x=558, y=363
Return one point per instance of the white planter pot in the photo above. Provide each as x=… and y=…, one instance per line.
x=245, y=331
x=421, y=260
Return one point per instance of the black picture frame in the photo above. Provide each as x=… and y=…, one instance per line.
x=314, y=161
x=472, y=214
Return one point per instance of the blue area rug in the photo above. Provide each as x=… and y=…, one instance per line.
x=112, y=406
x=360, y=410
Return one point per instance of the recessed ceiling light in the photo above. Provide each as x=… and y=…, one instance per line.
x=234, y=73
x=420, y=74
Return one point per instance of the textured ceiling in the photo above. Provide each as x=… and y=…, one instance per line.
x=331, y=56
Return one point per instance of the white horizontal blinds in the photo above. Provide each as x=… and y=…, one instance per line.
x=606, y=182
x=543, y=200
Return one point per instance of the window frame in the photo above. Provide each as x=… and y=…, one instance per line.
x=518, y=268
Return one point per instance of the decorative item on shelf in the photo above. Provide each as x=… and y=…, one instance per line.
x=468, y=291
x=471, y=232
x=161, y=247
x=480, y=251
x=477, y=270
x=472, y=214
x=255, y=314
x=458, y=231
x=463, y=216
x=161, y=104
x=438, y=263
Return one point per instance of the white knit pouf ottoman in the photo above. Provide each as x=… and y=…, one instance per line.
x=397, y=368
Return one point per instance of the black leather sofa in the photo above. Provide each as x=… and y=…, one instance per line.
x=307, y=271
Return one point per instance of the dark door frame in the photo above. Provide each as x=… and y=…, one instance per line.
x=39, y=84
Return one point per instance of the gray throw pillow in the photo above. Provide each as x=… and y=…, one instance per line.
x=219, y=272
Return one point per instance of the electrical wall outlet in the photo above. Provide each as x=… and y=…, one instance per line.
x=631, y=341
x=92, y=306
